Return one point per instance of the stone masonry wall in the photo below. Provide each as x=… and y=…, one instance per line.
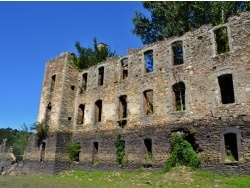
x=204, y=117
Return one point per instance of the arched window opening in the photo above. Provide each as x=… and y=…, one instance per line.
x=98, y=111
x=226, y=88
x=179, y=95
x=148, y=103
x=221, y=39
x=80, y=117
x=124, y=67
x=149, y=61
x=177, y=48
x=231, y=150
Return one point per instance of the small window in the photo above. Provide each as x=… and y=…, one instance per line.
x=69, y=118
x=72, y=88
x=95, y=153
x=100, y=76
x=48, y=113
x=221, y=38
x=148, y=150
x=98, y=111
x=52, y=85
x=124, y=67
x=226, y=88
x=42, y=154
x=80, y=117
x=179, y=96
x=149, y=61
x=177, y=48
x=148, y=102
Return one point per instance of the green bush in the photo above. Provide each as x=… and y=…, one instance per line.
x=120, y=149
x=182, y=154
x=73, y=150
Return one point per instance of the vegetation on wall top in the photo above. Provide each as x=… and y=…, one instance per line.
x=88, y=57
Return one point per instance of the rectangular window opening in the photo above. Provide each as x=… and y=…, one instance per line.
x=149, y=61
x=226, y=88
x=95, y=153
x=148, y=102
x=221, y=38
x=179, y=95
x=80, y=117
x=231, y=150
x=100, y=76
x=177, y=48
x=148, y=150
x=84, y=82
x=98, y=111
x=52, y=85
x=124, y=65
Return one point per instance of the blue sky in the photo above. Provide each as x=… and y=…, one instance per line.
x=32, y=33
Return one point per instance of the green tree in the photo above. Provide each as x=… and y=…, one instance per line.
x=182, y=154
x=73, y=150
x=42, y=130
x=88, y=57
x=170, y=18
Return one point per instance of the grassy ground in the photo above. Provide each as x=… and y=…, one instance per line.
x=178, y=177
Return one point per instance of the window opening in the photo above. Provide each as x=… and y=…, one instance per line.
x=42, y=156
x=122, y=107
x=95, y=153
x=100, y=76
x=98, y=111
x=148, y=102
x=84, y=82
x=122, y=111
x=52, y=85
x=226, y=88
x=149, y=61
x=80, y=117
x=221, y=38
x=48, y=113
x=124, y=65
x=231, y=150
x=148, y=150
x=177, y=48
x=72, y=88
x=69, y=118
x=179, y=94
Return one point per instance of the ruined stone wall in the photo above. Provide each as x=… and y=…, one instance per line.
x=204, y=116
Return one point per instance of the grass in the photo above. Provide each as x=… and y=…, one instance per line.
x=177, y=177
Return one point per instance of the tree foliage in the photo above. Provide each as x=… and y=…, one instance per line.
x=42, y=130
x=16, y=139
x=170, y=18
x=73, y=150
x=120, y=149
x=182, y=154
x=88, y=57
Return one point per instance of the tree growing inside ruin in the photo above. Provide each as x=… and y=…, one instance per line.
x=88, y=57
x=170, y=18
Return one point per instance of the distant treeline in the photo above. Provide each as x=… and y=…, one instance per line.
x=17, y=139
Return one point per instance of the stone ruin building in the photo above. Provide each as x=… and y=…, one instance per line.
x=194, y=84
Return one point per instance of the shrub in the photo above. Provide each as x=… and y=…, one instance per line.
x=73, y=150
x=120, y=149
x=182, y=154
x=42, y=130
